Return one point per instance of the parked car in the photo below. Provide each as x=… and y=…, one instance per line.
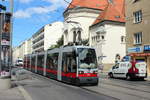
x=128, y=70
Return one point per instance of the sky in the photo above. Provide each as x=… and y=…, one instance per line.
x=31, y=15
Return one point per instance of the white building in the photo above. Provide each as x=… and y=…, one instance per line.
x=23, y=49
x=47, y=36
x=107, y=34
x=41, y=40
x=79, y=16
x=100, y=21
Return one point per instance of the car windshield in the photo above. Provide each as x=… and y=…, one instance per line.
x=87, y=58
x=20, y=61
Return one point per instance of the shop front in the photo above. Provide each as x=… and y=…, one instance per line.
x=142, y=55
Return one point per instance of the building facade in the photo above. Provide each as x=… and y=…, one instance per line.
x=46, y=36
x=79, y=16
x=102, y=22
x=42, y=40
x=21, y=50
x=107, y=34
x=138, y=31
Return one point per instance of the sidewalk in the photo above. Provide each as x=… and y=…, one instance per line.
x=11, y=94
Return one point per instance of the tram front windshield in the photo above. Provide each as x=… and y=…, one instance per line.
x=87, y=58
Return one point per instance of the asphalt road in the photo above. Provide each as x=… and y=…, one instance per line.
x=123, y=89
x=40, y=88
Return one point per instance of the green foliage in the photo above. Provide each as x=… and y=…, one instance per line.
x=85, y=42
x=59, y=43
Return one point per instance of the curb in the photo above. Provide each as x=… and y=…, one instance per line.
x=24, y=93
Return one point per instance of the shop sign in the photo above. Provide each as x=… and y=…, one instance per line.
x=147, y=48
x=135, y=49
x=140, y=54
x=5, y=42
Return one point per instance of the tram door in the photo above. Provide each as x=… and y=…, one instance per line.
x=40, y=64
x=69, y=66
x=59, y=72
x=33, y=58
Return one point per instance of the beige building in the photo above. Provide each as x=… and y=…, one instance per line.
x=21, y=50
x=138, y=30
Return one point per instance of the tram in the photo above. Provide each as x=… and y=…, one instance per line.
x=71, y=64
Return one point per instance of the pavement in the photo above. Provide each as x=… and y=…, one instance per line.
x=13, y=93
x=17, y=92
x=122, y=89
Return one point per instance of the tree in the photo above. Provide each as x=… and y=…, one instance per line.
x=60, y=42
x=85, y=42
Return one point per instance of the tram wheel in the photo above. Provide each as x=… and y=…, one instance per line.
x=77, y=82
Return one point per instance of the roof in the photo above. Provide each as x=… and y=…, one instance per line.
x=113, y=12
x=95, y=4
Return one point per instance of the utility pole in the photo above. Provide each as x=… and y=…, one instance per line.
x=5, y=47
x=2, y=8
x=11, y=31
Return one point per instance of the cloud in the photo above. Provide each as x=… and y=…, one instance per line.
x=25, y=1
x=27, y=13
x=58, y=3
x=21, y=14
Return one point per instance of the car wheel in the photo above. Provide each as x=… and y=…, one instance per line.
x=111, y=75
x=128, y=77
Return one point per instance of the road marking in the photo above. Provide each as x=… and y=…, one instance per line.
x=24, y=93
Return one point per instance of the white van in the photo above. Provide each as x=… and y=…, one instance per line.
x=19, y=62
x=127, y=70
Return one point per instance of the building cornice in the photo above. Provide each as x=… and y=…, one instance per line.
x=81, y=9
x=108, y=22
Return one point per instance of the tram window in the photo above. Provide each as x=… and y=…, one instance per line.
x=69, y=62
x=28, y=61
x=55, y=60
x=33, y=61
x=49, y=61
x=52, y=61
x=40, y=61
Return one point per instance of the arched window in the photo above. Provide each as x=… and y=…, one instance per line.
x=79, y=35
x=74, y=36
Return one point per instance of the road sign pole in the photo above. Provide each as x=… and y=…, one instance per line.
x=11, y=31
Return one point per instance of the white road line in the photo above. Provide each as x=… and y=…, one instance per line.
x=24, y=93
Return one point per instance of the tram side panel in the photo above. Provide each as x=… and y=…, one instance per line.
x=28, y=63
x=24, y=62
x=52, y=65
x=33, y=60
x=69, y=67
x=40, y=64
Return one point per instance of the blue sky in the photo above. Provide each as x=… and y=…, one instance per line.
x=31, y=15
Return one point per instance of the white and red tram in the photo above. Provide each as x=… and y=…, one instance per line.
x=72, y=64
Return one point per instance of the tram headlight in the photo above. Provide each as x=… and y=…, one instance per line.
x=81, y=72
x=95, y=72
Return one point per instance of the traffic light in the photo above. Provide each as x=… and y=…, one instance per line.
x=2, y=7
